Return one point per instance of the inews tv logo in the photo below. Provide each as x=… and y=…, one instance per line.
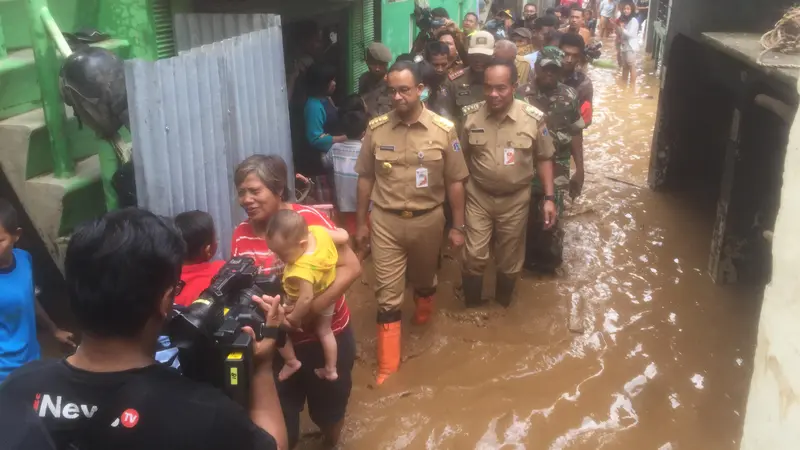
x=48, y=406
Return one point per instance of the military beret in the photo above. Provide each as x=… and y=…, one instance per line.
x=521, y=32
x=379, y=52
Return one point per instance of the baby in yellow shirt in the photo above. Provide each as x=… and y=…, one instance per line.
x=310, y=256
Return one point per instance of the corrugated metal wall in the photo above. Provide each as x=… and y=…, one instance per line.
x=194, y=30
x=195, y=116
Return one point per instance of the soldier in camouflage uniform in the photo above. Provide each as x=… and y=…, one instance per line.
x=560, y=104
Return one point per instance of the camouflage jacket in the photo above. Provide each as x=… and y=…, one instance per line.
x=377, y=99
x=563, y=113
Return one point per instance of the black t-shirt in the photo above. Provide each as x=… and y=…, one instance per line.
x=149, y=408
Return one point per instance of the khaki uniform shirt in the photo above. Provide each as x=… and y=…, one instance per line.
x=502, y=154
x=523, y=70
x=411, y=164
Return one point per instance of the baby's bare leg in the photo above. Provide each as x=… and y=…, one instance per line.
x=290, y=362
x=329, y=348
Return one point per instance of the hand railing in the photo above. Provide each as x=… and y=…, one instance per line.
x=48, y=41
x=46, y=38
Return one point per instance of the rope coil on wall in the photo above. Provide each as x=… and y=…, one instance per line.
x=784, y=38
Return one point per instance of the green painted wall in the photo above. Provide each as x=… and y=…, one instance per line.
x=397, y=26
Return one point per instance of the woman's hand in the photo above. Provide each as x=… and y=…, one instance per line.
x=339, y=139
x=65, y=337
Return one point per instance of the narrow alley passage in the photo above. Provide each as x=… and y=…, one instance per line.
x=663, y=359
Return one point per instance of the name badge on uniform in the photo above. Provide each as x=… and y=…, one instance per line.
x=508, y=156
x=422, y=177
x=387, y=148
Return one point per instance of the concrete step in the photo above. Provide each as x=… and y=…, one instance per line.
x=39, y=158
x=55, y=206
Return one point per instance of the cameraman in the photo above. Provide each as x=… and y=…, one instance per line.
x=121, y=271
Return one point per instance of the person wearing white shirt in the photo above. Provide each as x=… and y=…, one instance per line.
x=628, y=41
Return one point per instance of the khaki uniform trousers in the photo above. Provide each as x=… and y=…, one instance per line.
x=405, y=247
x=501, y=220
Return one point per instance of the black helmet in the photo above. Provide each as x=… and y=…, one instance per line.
x=92, y=82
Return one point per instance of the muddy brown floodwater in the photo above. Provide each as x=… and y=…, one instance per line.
x=664, y=359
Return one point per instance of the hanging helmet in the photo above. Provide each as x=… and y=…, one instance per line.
x=92, y=82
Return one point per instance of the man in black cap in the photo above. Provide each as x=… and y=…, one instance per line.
x=372, y=84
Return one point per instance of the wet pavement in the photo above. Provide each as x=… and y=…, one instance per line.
x=662, y=357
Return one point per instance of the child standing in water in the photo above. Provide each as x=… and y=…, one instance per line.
x=20, y=312
x=311, y=257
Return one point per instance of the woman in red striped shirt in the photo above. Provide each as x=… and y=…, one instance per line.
x=261, y=183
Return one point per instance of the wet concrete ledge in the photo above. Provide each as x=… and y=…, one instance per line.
x=746, y=47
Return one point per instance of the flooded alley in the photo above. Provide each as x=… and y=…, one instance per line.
x=658, y=357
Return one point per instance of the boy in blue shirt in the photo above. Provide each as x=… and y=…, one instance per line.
x=19, y=309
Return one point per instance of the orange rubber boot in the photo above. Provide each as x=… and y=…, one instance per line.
x=388, y=350
x=424, y=310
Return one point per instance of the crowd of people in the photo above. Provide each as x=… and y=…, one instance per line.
x=465, y=143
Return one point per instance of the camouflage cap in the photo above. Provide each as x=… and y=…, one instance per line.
x=550, y=56
x=379, y=52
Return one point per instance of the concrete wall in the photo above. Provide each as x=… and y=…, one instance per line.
x=773, y=407
x=692, y=17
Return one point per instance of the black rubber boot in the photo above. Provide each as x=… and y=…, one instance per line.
x=472, y=287
x=505, y=288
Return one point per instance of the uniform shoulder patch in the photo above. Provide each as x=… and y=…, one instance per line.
x=378, y=121
x=469, y=109
x=443, y=123
x=456, y=74
x=534, y=112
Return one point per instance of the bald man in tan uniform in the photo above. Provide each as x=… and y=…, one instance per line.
x=506, y=144
x=410, y=158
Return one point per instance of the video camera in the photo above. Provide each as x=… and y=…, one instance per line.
x=212, y=347
x=593, y=51
x=425, y=21
x=497, y=27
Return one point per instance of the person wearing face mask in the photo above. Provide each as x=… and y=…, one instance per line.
x=528, y=16
x=544, y=246
x=507, y=143
x=410, y=158
x=523, y=38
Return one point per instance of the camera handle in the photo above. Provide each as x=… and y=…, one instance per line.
x=239, y=369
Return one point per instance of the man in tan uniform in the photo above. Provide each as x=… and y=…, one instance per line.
x=409, y=159
x=506, y=142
